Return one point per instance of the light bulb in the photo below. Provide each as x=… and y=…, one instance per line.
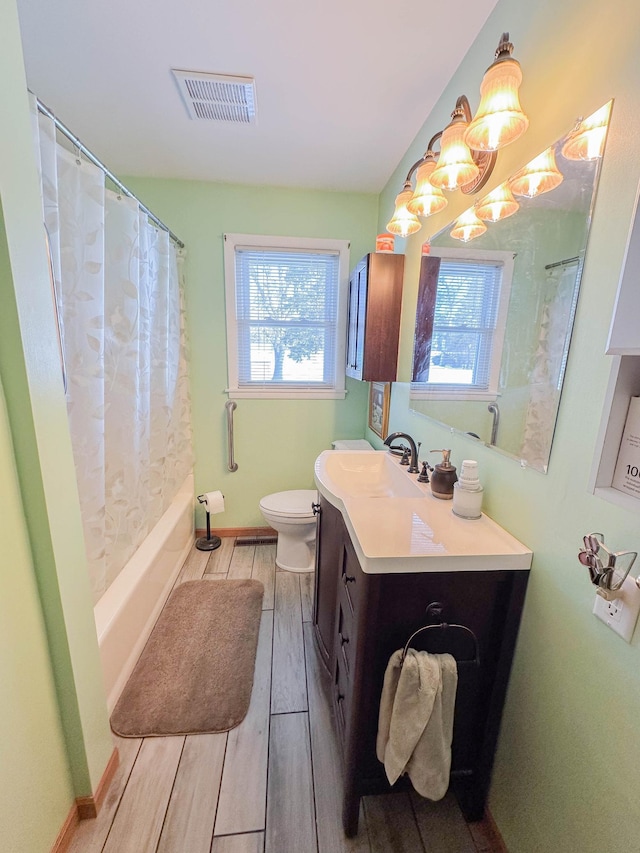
x=539, y=176
x=455, y=165
x=497, y=205
x=403, y=222
x=586, y=142
x=467, y=226
x=426, y=199
x=500, y=119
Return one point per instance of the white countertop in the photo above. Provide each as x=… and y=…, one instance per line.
x=396, y=525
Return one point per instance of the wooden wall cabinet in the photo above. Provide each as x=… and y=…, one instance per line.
x=375, y=299
x=372, y=615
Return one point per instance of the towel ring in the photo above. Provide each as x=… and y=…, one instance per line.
x=434, y=610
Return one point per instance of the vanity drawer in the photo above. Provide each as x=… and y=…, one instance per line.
x=349, y=575
x=345, y=635
x=342, y=697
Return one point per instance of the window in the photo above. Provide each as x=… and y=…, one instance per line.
x=286, y=309
x=460, y=327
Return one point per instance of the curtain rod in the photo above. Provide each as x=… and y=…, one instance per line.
x=83, y=148
x=562, y=263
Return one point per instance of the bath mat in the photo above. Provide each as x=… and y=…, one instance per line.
x=195, y=673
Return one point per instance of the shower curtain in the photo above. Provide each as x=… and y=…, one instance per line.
x=119, y=286
x=558, y=311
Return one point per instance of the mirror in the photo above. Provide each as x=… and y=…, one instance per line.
x=495, y=314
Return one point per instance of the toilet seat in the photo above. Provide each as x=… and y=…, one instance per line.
x=291, y=504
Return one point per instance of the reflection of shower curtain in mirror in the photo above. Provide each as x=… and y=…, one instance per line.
x=118, y=282
x=549, y=362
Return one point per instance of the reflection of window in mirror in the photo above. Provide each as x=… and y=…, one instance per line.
x=463, y=297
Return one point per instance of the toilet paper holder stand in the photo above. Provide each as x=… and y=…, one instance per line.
x=208, y=542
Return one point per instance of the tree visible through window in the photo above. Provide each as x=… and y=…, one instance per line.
x=285, y=311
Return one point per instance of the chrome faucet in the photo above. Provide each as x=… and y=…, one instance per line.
x=413, y=465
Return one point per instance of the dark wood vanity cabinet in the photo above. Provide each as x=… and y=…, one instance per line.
x=375, y=297
x=373, y=615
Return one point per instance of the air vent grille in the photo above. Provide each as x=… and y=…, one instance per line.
x=217, y=97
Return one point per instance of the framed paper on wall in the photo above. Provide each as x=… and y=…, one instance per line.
x=379, y=397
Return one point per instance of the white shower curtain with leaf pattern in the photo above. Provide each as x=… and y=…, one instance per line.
x=119, y=283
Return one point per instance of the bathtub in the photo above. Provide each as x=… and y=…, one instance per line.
x=127, y=611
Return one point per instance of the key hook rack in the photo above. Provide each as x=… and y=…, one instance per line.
x=608, y=569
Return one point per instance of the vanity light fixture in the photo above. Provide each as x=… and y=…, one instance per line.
x=498, y=204
x=539, y=176
x=456, y=166
x=586, y=141
x=468, y=147
x=427, y=199
x=467, y=226
x=404, y=222
x=500, y=119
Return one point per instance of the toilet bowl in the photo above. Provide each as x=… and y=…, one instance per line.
x=291, y=515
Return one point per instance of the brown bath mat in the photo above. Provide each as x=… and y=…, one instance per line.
x=195, y=673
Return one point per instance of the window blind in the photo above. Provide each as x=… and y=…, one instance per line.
x=465, y=319
x=286, y=316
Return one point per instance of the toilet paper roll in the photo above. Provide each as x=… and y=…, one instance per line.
x=213, y=501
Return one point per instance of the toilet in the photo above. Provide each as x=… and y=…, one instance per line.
x=291, y=515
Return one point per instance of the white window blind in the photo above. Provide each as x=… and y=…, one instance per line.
x=468, y=328
x=287, y=319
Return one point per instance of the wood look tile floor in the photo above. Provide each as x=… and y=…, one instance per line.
x=273, y=784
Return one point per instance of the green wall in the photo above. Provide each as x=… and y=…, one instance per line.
x=276, y=441
x=35, y=784
x=566, y=774
x=39, y=780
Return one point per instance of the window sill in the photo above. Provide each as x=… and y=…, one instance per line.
x=284, y=394
x=467, y=396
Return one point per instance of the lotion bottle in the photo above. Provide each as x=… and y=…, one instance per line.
x=467, y=492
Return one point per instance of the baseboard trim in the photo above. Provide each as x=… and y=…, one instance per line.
x=237, y=531
x=85, y=808
x=486, y=835
x=62, y=842
x=89, y=807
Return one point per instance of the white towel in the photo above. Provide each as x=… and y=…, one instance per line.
x=415, y=725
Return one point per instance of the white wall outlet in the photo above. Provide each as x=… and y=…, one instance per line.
x=620, y=614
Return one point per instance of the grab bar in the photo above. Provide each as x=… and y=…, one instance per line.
x=495, y=411
x=230, y=405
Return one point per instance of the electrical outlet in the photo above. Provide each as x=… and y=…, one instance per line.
x=621, y=613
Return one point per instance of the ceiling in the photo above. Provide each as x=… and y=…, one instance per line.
x=342, y=86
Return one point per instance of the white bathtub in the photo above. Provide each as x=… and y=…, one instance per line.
x=127, y=611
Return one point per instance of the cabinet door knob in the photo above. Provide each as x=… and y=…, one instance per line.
x=343, y=640
x=316, y=509
x=348, y=579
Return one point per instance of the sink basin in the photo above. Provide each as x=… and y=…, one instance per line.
x=396, y=524
x=365, y=474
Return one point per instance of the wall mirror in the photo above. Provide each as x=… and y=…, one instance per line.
x=495, y=313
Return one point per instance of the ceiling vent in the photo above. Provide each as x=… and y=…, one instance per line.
x=217, y=97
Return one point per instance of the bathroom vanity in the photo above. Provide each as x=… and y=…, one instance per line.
x=386, y=549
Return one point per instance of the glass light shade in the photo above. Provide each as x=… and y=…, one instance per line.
x=403, y=222
x=426, y=199
x=539, y=176
x=497, y=205
x=455, y=166
x=587, y=140
x=468, y=226
x=500, y=119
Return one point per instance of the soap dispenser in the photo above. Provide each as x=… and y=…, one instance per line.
x=444, y=476
x=467, y=492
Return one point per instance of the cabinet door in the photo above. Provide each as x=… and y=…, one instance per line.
x=328, y=546
x=357, y=318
